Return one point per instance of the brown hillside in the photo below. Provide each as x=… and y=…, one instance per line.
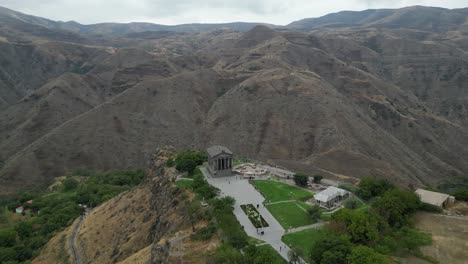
x=373, y=99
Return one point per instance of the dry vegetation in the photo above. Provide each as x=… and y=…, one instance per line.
x=449, y=234
x=124, y=224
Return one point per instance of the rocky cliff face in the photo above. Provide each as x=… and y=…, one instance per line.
x=364, y=100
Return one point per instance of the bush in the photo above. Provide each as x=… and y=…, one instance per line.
x=170, y=162
x=318, y=178
x=461, y=194
x=7, y=238
x=395, y=206
x=430, y=208
x=204, y=233
x=301, y=179
x=370, y=188
x=331, y=250
x=314, y=212
x=227, y=254
x=366, y=255
x=351, y=204
x=187, y=161
x=7, y=254
x=70, y=184
x=362, y=227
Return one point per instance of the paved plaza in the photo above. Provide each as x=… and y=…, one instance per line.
x=244, y=193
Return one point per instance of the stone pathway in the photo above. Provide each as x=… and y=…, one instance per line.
x=245, y=193
x=288, y=201
x=302, y=228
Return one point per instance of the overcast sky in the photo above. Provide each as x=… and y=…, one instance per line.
x=171, y=12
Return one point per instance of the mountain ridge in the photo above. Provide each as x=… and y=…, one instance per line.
x=349, y=102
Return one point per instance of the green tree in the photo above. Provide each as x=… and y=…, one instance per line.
x=7, y=237
x=370, y=188
x=461, y=194
x=263, y=256
x=70, y=184
x=318, y=178
x=194, y=211
x=24, y=229
x=366, y=255
x=314, y=212
x=300, y=179
x=7, y=254
x=294, y=255
x=187, y=161
x=226, y=254
x=187, y=165
x=351, y=204
x=396, y=205
x=361, y=226
x=170, y=162
x=331, y=249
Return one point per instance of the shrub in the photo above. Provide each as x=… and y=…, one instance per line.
x=370, y=188
x=204, y=233
x=366, y=255
x=318, y=178
x=7, y=237
x=331, y=249
x=430, y=208
x=461, y=194
x=396, y=205
x=170, y=162
x=314, y=212
x=187, y=161
x=300, y=179
x=70, y=184
x=351, y=204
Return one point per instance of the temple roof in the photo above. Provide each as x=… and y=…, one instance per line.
x=217, y=149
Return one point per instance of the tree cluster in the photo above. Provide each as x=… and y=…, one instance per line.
x=187, y=161
x=57, y=210
x=301, y=179
x=366, y=236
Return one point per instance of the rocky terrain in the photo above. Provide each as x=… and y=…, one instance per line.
x=148, y=224
x=372, y=93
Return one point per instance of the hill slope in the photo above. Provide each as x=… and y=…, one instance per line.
x=361, y=101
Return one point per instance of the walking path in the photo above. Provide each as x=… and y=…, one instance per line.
x=245, y=193
x=76, y=259
x=302, y=228
x=288, y=201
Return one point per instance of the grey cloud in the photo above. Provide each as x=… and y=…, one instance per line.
x=186, y=11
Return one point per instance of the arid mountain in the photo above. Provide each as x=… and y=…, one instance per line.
x=415, y=17
x=7, y=15
x=361, y=98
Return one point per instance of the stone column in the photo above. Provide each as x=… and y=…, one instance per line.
x=230, y=163
x=218, y=164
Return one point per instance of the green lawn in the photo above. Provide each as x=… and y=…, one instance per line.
x=271, y=251
x=304, y=240
x=291, y=214
x=274, y=191
x=186, y=184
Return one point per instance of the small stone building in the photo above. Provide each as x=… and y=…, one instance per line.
x=219, y=161
x=330, y=197
x=441, y=200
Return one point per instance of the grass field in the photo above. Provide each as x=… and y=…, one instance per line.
x=277, y=191
x=186, y=184
x=291, y=214
x=304, y=240
x=271, y=251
